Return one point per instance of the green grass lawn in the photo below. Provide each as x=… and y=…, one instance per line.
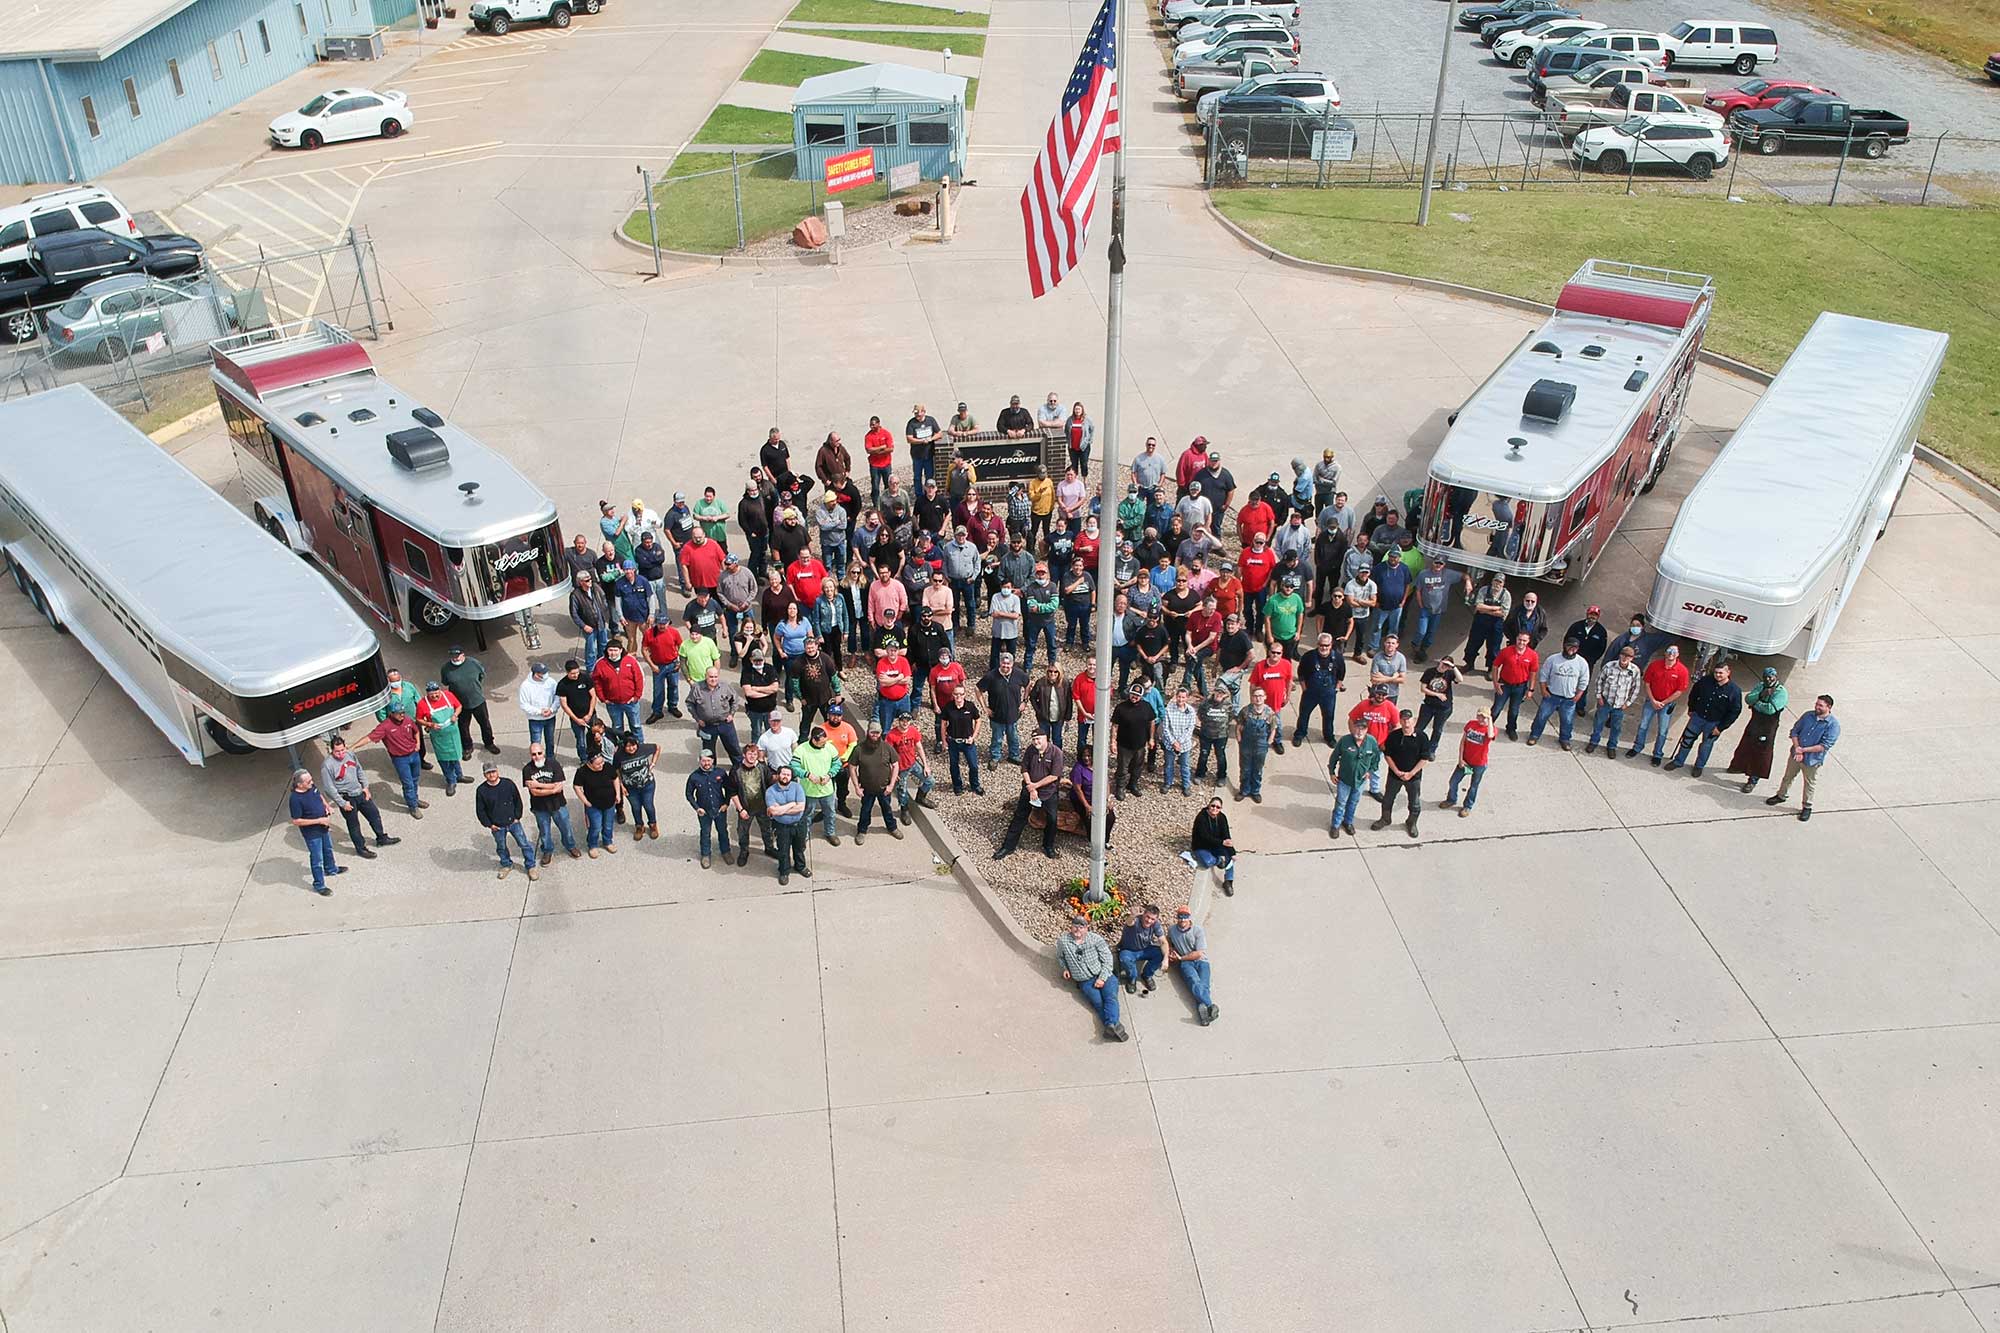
x=1962, y=31
x=1776, y=267
x=789, y=70
x=961, y=43
x=699, y=214
x=882, y=11
x=742, y=124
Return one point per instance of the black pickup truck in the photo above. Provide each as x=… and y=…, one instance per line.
x=1818, y=120
x=59, y=266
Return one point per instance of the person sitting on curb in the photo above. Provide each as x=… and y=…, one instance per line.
x=1142, y=950
x=1187, y=948
x=1210, y=846
x=1086, y=962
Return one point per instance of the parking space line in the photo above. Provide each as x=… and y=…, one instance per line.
x=205, y=217
x=337, y=172
x=259, y=218
x=478, y=60
x=467, y=73
x=323, y=212
x=447, y=101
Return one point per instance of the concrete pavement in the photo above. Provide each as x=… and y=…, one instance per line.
x=1621, y=1048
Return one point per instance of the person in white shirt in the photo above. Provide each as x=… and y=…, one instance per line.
x=538, y=700
x=1050, y=415
x=643, y=520
x=777, y=742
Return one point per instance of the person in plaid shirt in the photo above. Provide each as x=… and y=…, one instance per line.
x=1177, y=725
x=1086, y=962
x=1617, y=688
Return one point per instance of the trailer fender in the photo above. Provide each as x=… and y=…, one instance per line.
x=38, y=588
x=277, y=519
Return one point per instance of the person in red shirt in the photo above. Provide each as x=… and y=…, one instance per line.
x=1666, y=684
x=1382, y=716
x=947, y=678
x=805, y=576
x=1204, y=633
x=1273, y=676
x=881, y=447
x=619, y=684
x=1513, y=672
x=1190, y=463
x=892, y=684
x=1259, y=562
x=1083, y=695
x=663, y=649
x=1227, y=591
x=701, y=560
x=1473, y=747
x=1256, y=519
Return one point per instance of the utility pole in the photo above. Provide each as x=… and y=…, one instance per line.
x=1437, y=110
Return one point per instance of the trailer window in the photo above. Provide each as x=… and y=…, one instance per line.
x=418, y=562
x=1580, y=513
x=1623, y=486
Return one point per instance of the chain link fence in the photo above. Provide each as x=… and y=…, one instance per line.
x=1523, y=151
x=141, y=343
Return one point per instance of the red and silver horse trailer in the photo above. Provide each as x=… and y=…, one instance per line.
x=1543, y=461
x=417, y=519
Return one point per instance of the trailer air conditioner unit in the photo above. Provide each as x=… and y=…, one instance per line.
x=1548, y=400
x=418, y=448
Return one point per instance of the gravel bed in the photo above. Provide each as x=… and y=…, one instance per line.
x=873, y=225
x=1152, y=829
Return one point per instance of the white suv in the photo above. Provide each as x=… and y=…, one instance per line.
x=1682, y=143
x=497, y=16
x=60, y=210
x=1518, y=48
x=1740, y=46
x=1632, y=45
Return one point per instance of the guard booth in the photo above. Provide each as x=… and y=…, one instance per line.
x=905, y=114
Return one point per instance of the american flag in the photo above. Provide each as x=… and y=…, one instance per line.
x=1055, y=208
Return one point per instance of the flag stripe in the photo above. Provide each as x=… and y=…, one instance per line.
x=1061, y=194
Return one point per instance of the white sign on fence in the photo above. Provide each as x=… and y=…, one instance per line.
x=1333, y=146
x=903, y=175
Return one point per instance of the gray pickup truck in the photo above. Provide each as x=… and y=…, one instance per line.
x=1216, y=76
x=1573, y=113
x=1593, y=83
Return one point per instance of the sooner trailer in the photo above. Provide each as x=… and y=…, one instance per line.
x=1770, y=543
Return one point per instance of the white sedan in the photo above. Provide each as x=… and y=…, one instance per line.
x=343, y=113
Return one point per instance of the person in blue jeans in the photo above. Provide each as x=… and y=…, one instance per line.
x=1087, y=964
x=1256, y=728
x=314, y=822
x=1713, y=707
x=1187, y=949
x=1564, y=683
x=1142, y=950
x=497, y=802
x=548, y=800
x=635, y=774
x=1210, y=845
x=602, y=793
x=708, y=795
x=1665, y=684
x=1355, y=760
x=1618, y=684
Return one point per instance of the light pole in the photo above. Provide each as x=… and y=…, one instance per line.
x=1437, y=113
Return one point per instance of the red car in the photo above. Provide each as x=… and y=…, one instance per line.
x=1758, y=94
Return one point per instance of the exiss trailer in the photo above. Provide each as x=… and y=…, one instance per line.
x=224, y=638
x=1769, y=544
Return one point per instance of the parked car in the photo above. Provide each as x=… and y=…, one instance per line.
x=60, y=266
x=1176, y=12
x=1572, y=115
x=497, y=16
x=72, y=209
x=1273, y=127
x=1676, y=142
x=1235, y=39
x=1193, y=82
x=113, y=316
x=1819, y=120
x=1739, y=46
x=1593, y=83
x=1568, y=59
x=1993, y=67
x=1631, y=44
x=1476, y=16
x=1227, y=23
x=1314, y=91
x=1761, y=93
x=1518, y=48
x=1494, y=29
x=343, y=113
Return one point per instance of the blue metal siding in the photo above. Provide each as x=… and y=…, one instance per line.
x=934, y=161
x=185, y=38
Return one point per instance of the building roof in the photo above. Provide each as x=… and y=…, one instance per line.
x=880, y=83
x=1809, y=460
x=80, y=29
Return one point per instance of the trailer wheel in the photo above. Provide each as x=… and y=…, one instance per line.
x=226, y=740
x=20, y=577
x=428, y=615
x=1659, y=466
x=40, y=601
x=1745, y=63
x=1874, y=146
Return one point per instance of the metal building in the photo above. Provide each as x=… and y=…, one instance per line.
x=88, y=84
x=905, y=114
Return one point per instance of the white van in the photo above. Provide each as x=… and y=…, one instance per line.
x=1739, y=46
x=1632, y=45
x=60, y=210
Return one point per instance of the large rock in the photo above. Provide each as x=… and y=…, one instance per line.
x=810, y=234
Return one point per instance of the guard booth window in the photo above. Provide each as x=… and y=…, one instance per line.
x=826, y=131
x=875, y=132
x=929, y=132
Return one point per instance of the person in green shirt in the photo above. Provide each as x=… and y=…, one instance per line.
x=698, y=654
x=815, y=763
x=1354, y=757
x=1764, y=706
x=403, y=694
x=714, y=519
x=1132, y=514
x=1282, y=615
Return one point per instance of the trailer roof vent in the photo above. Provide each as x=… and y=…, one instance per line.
x=1548, y=401
x=309, y=419
x=418, y=448
x=360, y=414
x=1547, y=348
x=427, y=417
x=1635, y=381
x=1593, y=352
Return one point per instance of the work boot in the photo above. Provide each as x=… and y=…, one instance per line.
x=364, y=853
x=386, y=841
x=896, y=832
x=1696, y=770
x=1673, y=764
x=1656, y=762
x=1590, y=747
x=654, y=716
x=1381, y=823
x=1348, y=829
x=533, y=874
x=704, y=863
x=504, y=872
x=860, y=838
x=1410, y=826
x=652, y=831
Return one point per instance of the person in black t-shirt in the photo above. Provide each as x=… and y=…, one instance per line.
x=598, y=784
x=1179, y=603
x=1405, y=753
x=1232, y=657
x=548, y=800
x=577, y=702
x=1132, y=724
x=1438, y=684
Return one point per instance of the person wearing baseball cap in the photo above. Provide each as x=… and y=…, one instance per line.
x=1192, y=460
x=1132, y=728
x=1187, y=949
x=1087, y=963
x=1591, y=637
x=497, y=803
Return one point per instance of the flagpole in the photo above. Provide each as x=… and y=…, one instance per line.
x=1107, y=474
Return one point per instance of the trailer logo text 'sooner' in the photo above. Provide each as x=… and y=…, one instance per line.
x=1716, y=611
x=326, y=697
